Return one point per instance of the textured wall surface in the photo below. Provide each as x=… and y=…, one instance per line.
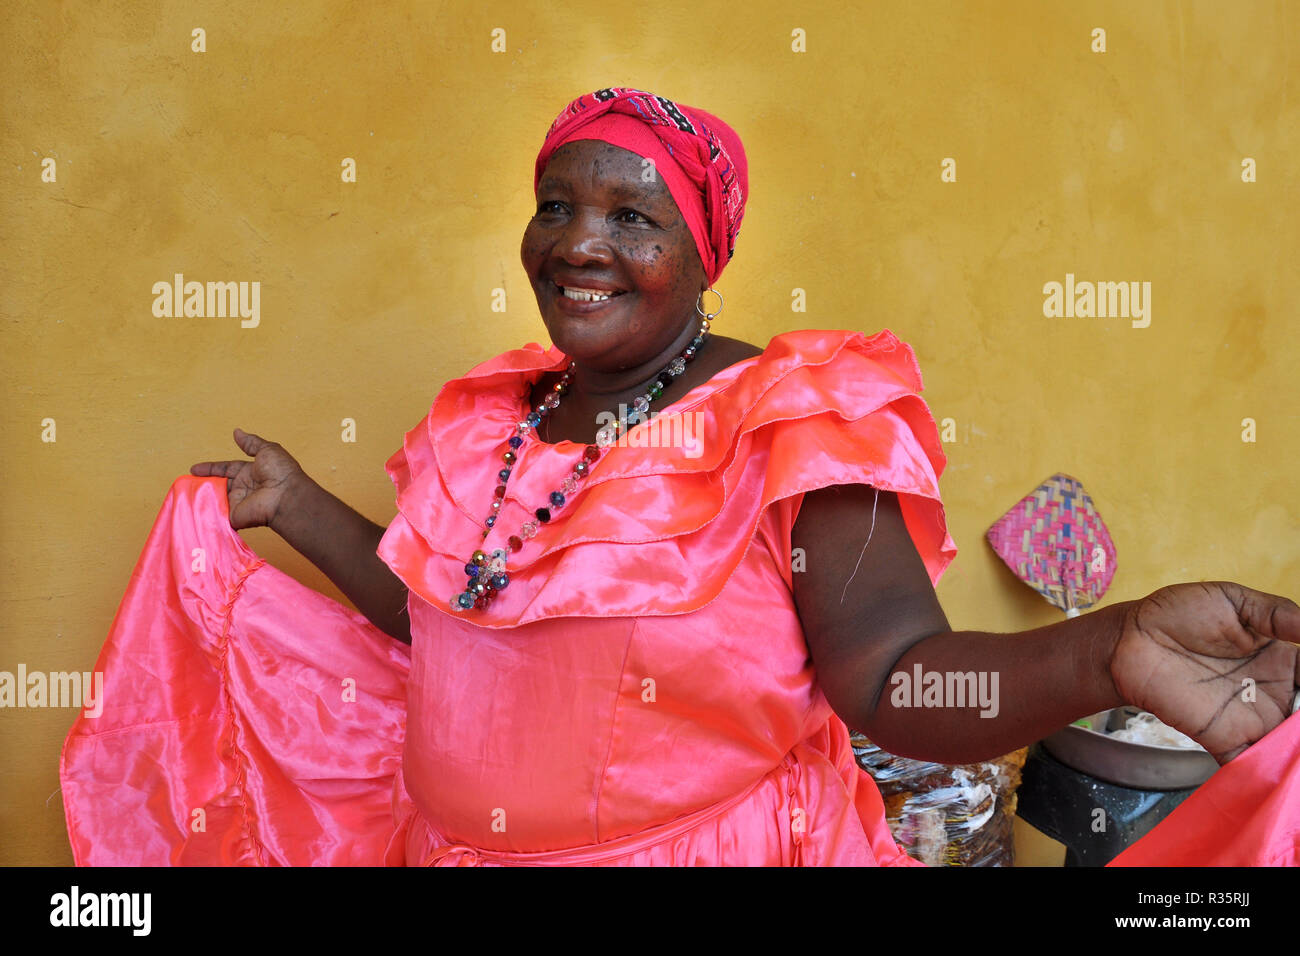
x=225, y=165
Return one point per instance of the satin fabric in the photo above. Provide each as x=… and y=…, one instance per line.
x=641, y=693
x=227, y=735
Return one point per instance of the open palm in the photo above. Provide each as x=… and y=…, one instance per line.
x=1215, y=660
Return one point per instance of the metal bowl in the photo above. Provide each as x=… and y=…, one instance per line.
x=1140, y=766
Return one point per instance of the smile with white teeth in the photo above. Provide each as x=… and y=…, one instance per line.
x=588, y=295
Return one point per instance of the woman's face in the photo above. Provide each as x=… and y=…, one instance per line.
x=600, y=226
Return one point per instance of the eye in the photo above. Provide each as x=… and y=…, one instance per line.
x=632, y=212
x=543, y=206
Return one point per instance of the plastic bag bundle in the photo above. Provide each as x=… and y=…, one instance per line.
x=947, y=815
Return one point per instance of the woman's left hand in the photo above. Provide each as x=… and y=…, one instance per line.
x=1216, y=660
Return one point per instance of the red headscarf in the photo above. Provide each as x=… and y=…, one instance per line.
x=699, y=157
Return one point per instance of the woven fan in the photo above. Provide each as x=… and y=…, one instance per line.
x=1054, y=541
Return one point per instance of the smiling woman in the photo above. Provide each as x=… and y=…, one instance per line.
x=618, y=278
x=614, y=268
x=612, y=660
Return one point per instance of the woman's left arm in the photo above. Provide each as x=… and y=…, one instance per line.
x=1215, y=660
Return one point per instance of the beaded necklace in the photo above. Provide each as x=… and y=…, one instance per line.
x=486, y=572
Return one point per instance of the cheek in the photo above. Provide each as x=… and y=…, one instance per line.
x=533, y=248
x=664, y=268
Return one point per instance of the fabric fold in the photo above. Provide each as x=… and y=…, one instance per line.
x=808, y=810
x=1247, y=814
x=247, y=720
x=816, y=408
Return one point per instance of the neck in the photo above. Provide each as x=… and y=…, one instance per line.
x=610, y=386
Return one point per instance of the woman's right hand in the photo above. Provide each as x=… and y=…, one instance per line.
x=257, y=489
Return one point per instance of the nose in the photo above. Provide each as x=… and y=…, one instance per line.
x=583, y=239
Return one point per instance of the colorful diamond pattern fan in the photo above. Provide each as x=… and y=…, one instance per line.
x=1055, y=541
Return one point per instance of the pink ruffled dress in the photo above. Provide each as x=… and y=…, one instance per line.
x=640, y=694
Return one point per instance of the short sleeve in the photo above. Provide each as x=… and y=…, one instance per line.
x=659, y=526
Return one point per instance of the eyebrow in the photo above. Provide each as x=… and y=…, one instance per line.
x=618, y=190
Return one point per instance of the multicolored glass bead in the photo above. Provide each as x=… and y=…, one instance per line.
x=486, y=576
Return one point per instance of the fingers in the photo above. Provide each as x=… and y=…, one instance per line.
x=1232, y=754
x=249, y=443
x=1270, y=614
x=221, y=469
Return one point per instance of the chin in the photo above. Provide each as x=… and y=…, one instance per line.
x=573, y=340
x=596, y=350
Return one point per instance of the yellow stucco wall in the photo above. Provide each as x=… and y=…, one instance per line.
x=225, y=165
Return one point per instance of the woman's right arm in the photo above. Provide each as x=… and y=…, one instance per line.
x=274, y=491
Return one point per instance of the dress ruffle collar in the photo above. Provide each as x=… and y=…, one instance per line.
x=446, y=470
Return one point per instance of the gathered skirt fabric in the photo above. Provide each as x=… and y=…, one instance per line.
x=642, y=693
x=249, y=720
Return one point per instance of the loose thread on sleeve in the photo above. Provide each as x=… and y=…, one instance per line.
x=864, y=546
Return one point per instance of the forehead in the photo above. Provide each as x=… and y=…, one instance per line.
x=604, y=167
